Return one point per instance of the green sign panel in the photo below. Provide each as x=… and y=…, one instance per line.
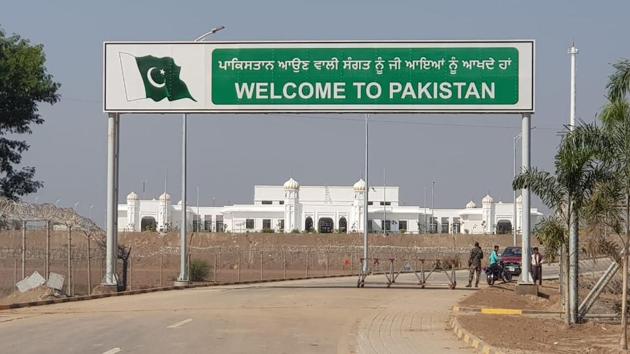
x=365, y=76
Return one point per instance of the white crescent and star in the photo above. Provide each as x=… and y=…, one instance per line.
x=151, y=81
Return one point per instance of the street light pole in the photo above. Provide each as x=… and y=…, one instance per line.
x=384, y=205
x=198, y=216
x=574, y=265
x=432, y=205
x=425, y=210
x=183, y=278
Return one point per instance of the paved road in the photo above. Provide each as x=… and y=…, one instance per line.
x=308, y=316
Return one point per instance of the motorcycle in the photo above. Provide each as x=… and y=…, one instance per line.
x=512, y=268
x=498, y=272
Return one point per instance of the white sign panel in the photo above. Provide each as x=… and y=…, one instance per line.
x=265, y=77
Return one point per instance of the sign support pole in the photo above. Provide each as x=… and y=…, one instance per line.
x=365, y=200
x=183, y=269
x=113, y=123
x=525, y=227
x=514, y=209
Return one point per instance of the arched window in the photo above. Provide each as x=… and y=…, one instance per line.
x=325, y=225
x=504, y=227
x=308, y=224
x=343, y=224
x=148, y=223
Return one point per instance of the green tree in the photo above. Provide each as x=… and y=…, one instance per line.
x=24, y=83
x=619, y=81
x=577, y=171
x=616, y=124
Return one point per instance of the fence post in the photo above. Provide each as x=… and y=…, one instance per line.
x=217, y=261
x=284, y=264
x=161, y=265
x=238, y=274
x=23, y=249
x=102, y=265
x=307, y=262
x=89, y=268
x=129, y=287
x=47, y=265
x=188, y=264
x=351, y=262
x=69, y=265
x=261, y=265
x=15, y=274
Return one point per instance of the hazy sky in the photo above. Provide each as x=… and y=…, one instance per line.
x=468, y=156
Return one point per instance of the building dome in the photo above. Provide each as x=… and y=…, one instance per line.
x=487, y=199
x=132, y=196
x=359, y=186
x=165, y=196
x=471, y=205
x=291, y=184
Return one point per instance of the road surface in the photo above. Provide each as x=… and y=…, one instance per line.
x=306, y=316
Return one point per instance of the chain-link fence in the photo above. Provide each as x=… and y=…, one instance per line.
x=82, y=262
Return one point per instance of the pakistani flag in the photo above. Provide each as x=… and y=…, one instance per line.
x=152, y=77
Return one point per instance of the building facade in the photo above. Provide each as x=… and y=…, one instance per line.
x=324, y=209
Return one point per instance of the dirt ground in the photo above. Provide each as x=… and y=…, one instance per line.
x=154, y=258
x=503, y=296
x=40, y=293
x=517, y=334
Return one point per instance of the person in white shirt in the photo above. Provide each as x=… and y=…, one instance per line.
x=537, y=261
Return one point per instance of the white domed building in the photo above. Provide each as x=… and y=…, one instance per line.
x=292, y=207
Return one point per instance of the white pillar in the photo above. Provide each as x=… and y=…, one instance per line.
x=573, y=52
x=574, y=265
x=365, y=199
x=112, y=199
x=525, y=227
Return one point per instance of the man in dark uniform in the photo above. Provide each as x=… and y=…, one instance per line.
x=537, y=261
x=474, y=264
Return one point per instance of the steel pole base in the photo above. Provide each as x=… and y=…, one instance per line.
x=181, y=283
x=105, y=289
x=526, y=289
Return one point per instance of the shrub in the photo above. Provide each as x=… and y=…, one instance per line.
x=268, y=231
x=199, y=270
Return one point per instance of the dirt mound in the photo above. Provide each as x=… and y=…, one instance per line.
x=504, y=296
x=37, y=294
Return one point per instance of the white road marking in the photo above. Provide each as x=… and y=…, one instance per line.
x=180, y=323
x=112, y=351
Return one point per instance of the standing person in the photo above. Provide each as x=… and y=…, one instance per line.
x=474, y=264
x=494, y=257
x=537, y=261
x=493, y=261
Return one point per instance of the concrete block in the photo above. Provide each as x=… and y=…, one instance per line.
x=55, y=281
x=527, y=289
x=31, y=282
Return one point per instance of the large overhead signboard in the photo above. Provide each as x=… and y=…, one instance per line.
x=241, y=77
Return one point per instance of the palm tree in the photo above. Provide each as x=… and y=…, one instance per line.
x=619, y=82
x=616, y=124
x=577, y=171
